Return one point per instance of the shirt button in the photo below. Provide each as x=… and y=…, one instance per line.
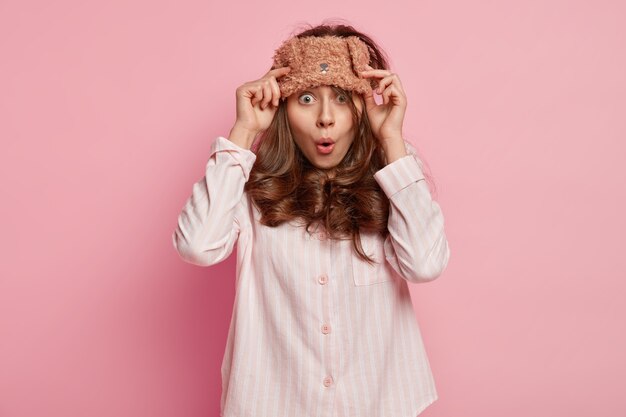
x=323, y=279
x=326, y=328
x=327, y=381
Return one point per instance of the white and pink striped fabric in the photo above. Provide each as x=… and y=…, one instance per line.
x=316, y=331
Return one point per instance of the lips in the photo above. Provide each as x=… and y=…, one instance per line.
x=325, y=148
x=325, y=145
x=324, y=141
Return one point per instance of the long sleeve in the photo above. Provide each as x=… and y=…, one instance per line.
x=208, y=226
x=416, y=246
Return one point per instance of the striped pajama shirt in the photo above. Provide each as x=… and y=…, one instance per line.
x=316, y=331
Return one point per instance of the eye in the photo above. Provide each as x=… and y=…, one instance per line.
x=342, y=98
x=306, y=95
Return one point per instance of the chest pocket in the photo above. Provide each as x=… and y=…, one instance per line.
x=365, y=273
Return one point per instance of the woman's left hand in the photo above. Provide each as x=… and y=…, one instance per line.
x=385, y=118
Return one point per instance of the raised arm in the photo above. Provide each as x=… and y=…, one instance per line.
x=208, y=225
x=416, y=246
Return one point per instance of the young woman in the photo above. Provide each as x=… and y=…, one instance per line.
x=332, y=217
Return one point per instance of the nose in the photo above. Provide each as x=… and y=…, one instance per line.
x=325, y=117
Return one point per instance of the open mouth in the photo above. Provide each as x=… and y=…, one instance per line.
x=325, y=147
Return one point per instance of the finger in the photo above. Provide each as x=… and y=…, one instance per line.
x=375, y=73
x=386, y=93
x=275, y=92
x=368, y=98
x=257, y=94
x=384, y=96
x=390, y=93
x=396, y=81
x=382, y=84
x=267, y=95
x=278, y=72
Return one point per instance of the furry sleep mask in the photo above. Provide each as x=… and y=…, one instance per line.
x=326, y=60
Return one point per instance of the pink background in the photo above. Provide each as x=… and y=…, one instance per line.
x=107, y=111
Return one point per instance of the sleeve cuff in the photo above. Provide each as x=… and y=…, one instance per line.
x=245, y=157
x=399, y=174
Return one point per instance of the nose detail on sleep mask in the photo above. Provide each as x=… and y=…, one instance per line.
x=326, y=60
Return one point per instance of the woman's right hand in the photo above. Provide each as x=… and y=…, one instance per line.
x=257, y=101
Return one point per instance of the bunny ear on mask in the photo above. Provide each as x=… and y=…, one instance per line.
x=285, y=57
x=287, y=54
x=360, y=55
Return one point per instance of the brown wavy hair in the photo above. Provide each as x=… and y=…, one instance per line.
x=285, y=186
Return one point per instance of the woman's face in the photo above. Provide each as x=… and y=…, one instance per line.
x=318, y=113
